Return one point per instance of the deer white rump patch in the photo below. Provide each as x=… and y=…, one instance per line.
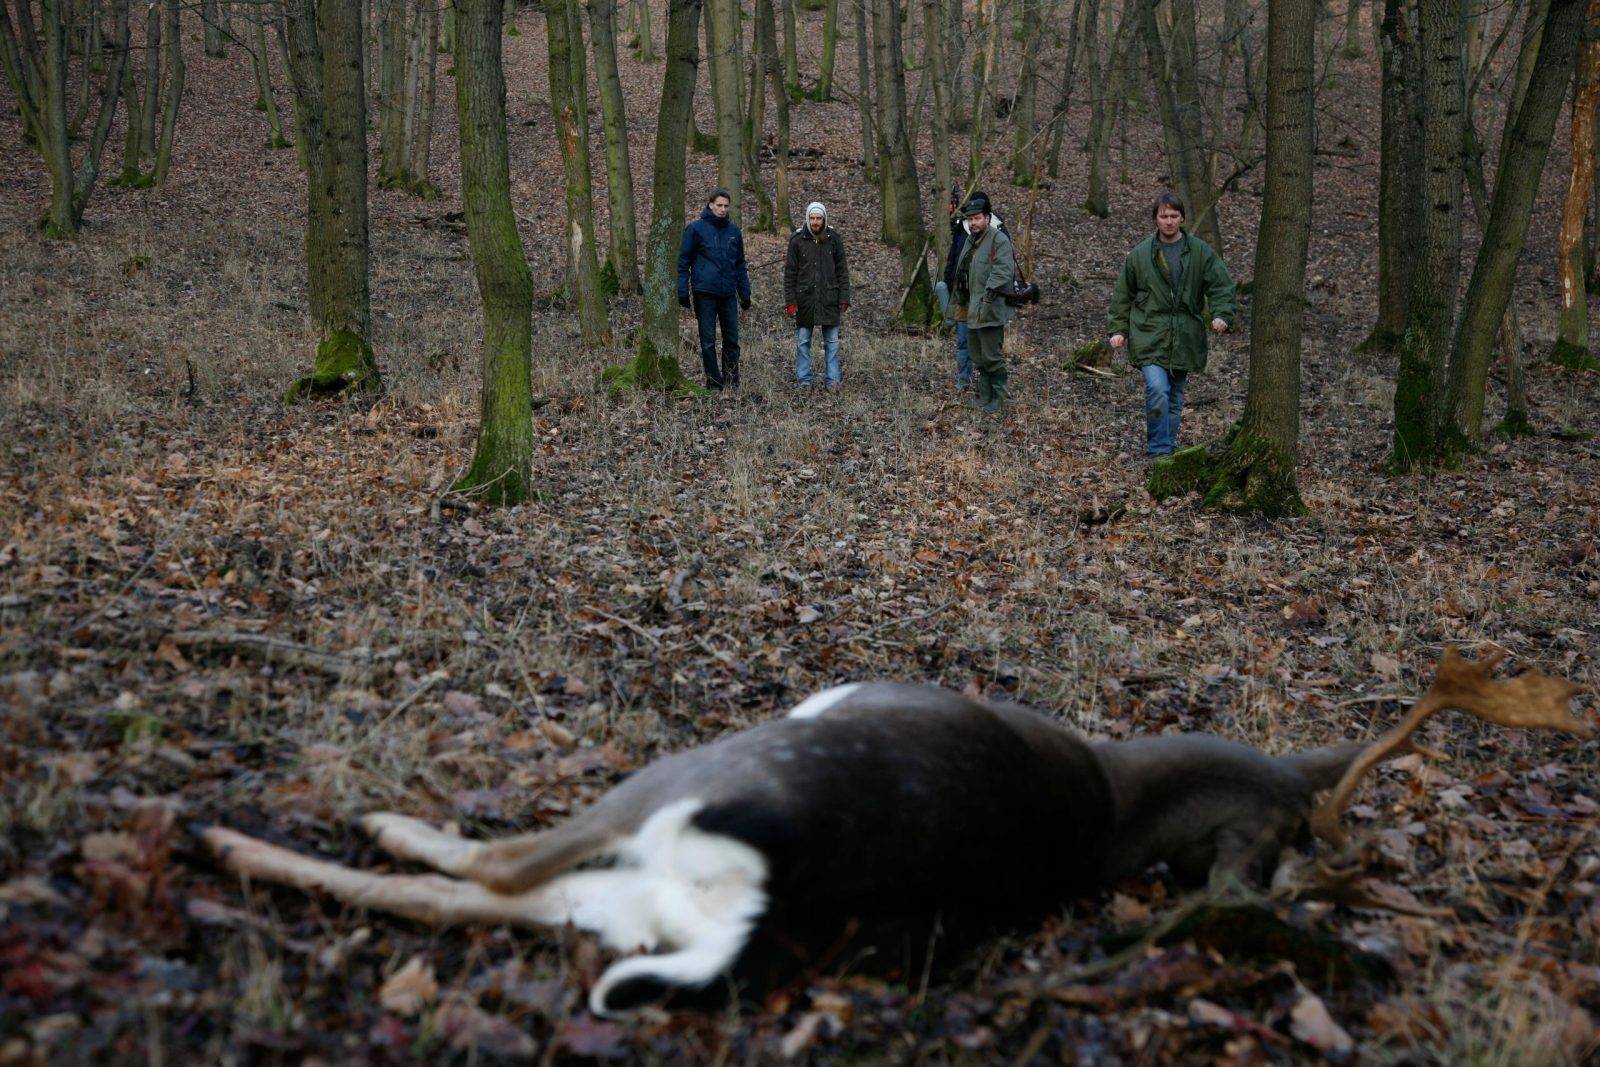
x=817, y=703
x=697, y=895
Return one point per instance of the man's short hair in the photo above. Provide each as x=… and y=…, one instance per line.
x=1168, y=199
x=718, y=191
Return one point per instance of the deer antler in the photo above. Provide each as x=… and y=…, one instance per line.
x=1530, y=701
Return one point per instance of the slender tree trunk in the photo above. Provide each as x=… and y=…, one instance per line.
x=150, y=111
x=1103, y=90
x=1572, y=335
x=647, y=39
x=933, y=44
x=619, y=168
x=1024, y=106
x=1082, y=21
x=830, y=42
x=210, y=13
x=1253, y=469
x=655, y=365
x=1419, y=402
x=791, y=54
x=984, y=60
x=266, y=100
x=1352, y=29
x=762, y=59
x=767, y=28
x=502, y=464
x=869, y=136
x=172, y=98
x=420, y=149
x=568, y=102
x=1515, y=187
x=900, y=166
x=329, y=69
x=393, y=37
x=1172, y=69
x=1399, y=174
x=722, y=35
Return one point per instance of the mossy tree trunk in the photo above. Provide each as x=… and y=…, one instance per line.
x=1516, y=185
x=655, y=364
x=569, y=104
x=900, y=168
x=619, y=168
x=36, y=69
x=327, y=71
x=1399, y=173
x=1253, y=469
x=501, y=471
x=1419, y=399
x=1572, y=334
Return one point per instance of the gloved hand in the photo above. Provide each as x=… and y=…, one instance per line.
x=744, y=303
x=683, y=298
x=844, y=307
x=790, y=309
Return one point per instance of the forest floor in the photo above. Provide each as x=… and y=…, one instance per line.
x=691, y=567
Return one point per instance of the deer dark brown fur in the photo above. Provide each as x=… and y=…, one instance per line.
x=866, y=804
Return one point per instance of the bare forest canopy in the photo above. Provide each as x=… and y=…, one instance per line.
x=357, y=457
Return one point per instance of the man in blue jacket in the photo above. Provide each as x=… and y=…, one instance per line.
x=711, y=272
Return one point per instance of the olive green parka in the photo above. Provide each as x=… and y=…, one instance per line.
x=1164, y=328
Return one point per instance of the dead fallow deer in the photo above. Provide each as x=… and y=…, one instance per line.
x=866, y=803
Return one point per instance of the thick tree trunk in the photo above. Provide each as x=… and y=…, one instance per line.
x=501, y=471
x=1515, y=187
x=569, y=104
x=393, y=38
x=655, y=365
x=900, y=167
x=328, y=72
x=1572, y=334
x=1419, y=401
x=1399, y=174
x=619, y=169
x=722, y=30
x=1253, y=469
x=647, y=39
x=150, y=108
x=420, y=150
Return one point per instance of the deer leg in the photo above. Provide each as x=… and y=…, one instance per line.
x=428, y=898
x=510, y=865
x=412, y=839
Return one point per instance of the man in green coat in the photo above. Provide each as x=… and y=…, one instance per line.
x=1170, y=284
x=987, y=266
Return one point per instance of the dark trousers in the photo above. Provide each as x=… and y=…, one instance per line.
x=708, y=311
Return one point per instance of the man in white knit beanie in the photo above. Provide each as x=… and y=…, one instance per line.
x=816, y=292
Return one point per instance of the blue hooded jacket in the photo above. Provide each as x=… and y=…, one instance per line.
x=711, y=258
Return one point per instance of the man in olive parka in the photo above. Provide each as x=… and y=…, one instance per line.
x=1170, y=284
x=816, y=291
x=987, y=266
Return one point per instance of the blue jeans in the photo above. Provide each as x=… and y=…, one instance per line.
x=802, y=353
x=1163, y=407
x=963, y=353
x=708, y=312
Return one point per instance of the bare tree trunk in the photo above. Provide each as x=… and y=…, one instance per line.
x=647, y=39
x=1516, y=185
x=212, y=15
x=393, y=37
x=655, y=365
x=568, y=102
x=1572, y=335
x=619, y=168
x=1024, y=106
x=172, y=97
x=421, y=133
x=1253, y=468
x=722, y=29
x=830, y=42
x=766, y=28
x=869, y=137
x=984, y=60
x=1083, y=20
x=1172, y=69
x=1352, y=29
x=1419, y=402
x=327, y=60
x=501, y=471
x=762, y=58
x=900, y=166
x=266, y=101
x=1104, y=89
x=933, y=44
x=1399, y=174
